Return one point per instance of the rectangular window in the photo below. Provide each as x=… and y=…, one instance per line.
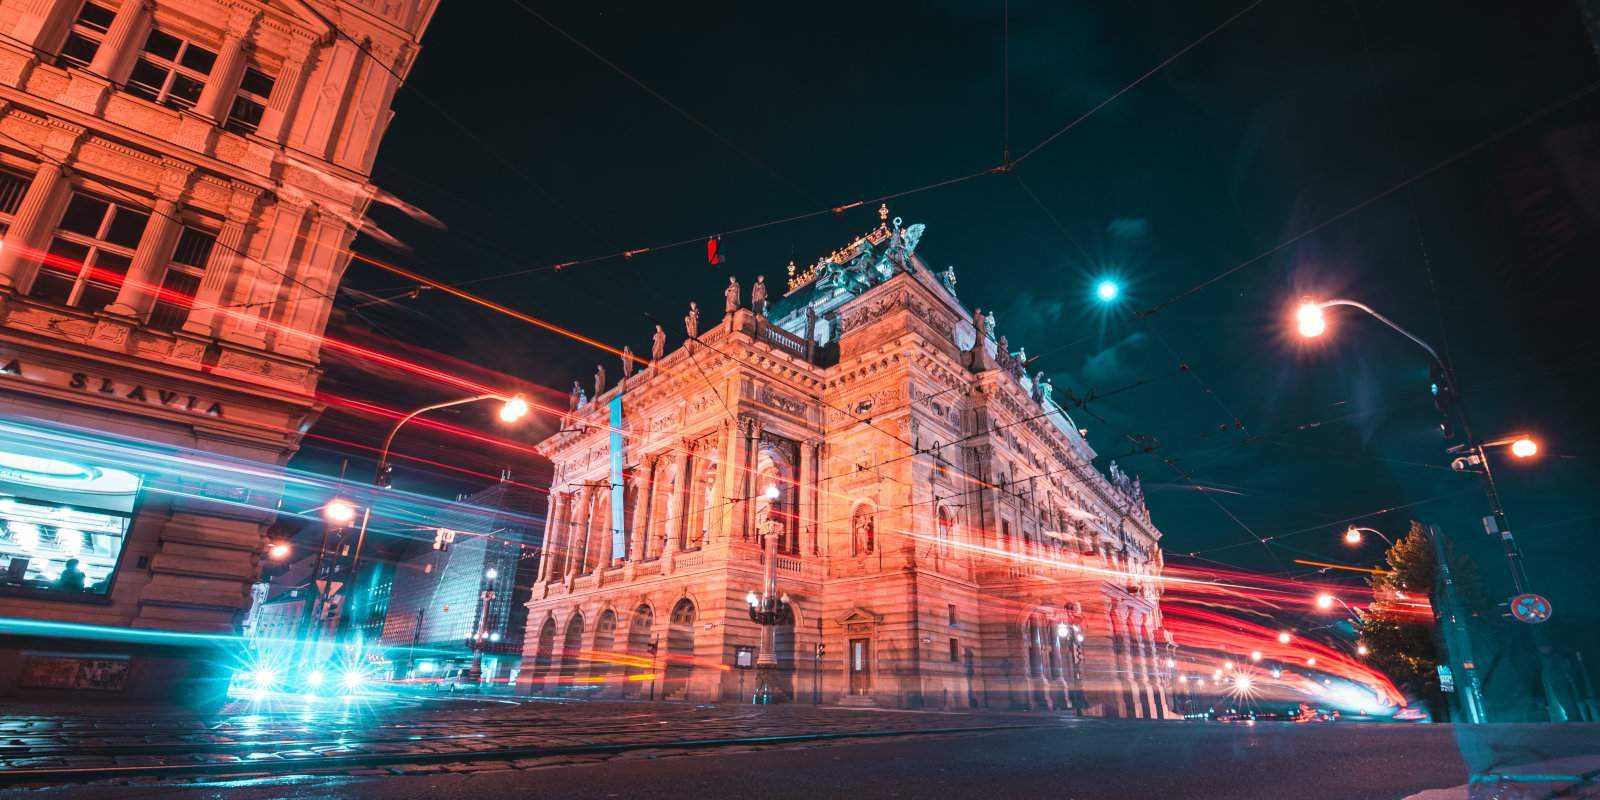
x=182, y=280
x=952, y=615
x=955, y=650
x=12, y=188
x=251, y=101
x=89, y=256
x=171, y=71
x=84, y=38
x=62, y=524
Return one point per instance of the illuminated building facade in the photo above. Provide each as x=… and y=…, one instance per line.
x=179, y=182
x=943, y=539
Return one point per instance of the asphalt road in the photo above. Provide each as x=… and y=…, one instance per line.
x=1068, y=759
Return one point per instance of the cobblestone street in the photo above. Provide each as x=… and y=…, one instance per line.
x=474, y=749
x=426, y=736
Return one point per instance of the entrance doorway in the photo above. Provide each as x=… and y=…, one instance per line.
x=860, y=667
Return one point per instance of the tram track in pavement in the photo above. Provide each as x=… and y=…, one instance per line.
x=275, y=764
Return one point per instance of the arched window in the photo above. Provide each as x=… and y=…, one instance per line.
x=946, y=529
x=863, y=533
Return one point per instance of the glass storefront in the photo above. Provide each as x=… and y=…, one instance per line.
x=62, y=523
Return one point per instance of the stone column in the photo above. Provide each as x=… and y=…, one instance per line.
x=580, y=522
x=257, y=290
x=226, y=264
x=138, y=290
x=731, y=465
x=747, y=467
x=641, y=513
x=807, y=496
x=114, y=60
x=216, y=99
x=286, y=90
x=676, y=523
x=552, y=516
x=310, y=293
x=29, y=229
x=36, y=20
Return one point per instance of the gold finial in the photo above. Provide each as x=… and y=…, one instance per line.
x=883, y=213
x=791, y=268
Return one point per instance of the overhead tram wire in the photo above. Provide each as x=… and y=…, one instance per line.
x=631, y=78
x=1163, y=64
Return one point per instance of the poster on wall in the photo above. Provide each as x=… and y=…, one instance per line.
x=46, y=671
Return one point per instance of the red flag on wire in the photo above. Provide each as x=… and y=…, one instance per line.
x=714, y=251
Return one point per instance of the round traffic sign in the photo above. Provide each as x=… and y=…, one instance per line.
x=1530, y=608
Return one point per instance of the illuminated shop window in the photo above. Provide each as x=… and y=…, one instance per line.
x=62, y=524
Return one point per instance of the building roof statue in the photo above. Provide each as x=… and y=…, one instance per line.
x=627, y=362
x=691, y=320
x=658, y=345
x=730, y=296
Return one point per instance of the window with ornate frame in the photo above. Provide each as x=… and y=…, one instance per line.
x=182, y=279
x=250, y=102
x=84, y=37
x=88, y=258
x=171, y=70
x=12, y=187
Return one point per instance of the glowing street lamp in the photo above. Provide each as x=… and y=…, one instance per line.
x=1352, y=535
x=1255, y=655
x=1107, y=290
x=339, y=511
x=491, y=573
x=1325, y=601
x=1308, y=318
x=278, y=551
x=1524, y=447
x=1362, y=650
x=513, y=409
x=1284, y=637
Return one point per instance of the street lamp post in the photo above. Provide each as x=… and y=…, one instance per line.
x=512, y=409
x=769, y=609
x=1311, y=324
x=475, y=675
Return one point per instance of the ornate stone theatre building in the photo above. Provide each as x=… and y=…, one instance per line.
x=942, y=537
x=179, y=182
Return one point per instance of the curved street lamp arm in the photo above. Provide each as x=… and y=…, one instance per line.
x=1391, y=323
x=1376, y=532
x=383, y=455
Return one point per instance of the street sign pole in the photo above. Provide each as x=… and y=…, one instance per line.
x=1457, y=639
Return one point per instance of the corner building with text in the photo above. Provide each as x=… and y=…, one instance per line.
x=180, y=181
x=942, y=537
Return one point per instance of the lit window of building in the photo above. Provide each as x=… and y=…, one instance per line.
x=89, y=257
x=250, y=103
x=88, y=31
x=171, y=71
x=61, y=523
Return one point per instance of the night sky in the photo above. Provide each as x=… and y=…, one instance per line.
x=1295, y=117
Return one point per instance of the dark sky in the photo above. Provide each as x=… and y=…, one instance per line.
x=1297, y=116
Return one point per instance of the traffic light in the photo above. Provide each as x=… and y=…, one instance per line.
x=1444, y=398
x=385, y=475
